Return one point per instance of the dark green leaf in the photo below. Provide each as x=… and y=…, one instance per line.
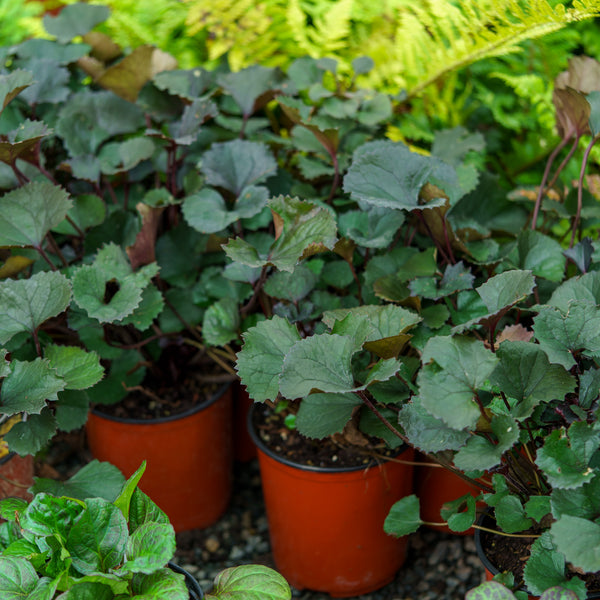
x=320, y=362
x=403, y=517
x=12, y=84
x=162, y=585
x=18, y=578
x=321, y=415
x=561, y=334
x=579, y=540
x=98, y=539
x=29, y=212
x=27, y=303
x=260, y=361
x=28, y=386
x=373, y=228
x=75, y=20
x=237, y=164
x=149, y=548
x=250, y=582
x=221, y=322
x=565, y=459
x=461, y=367
x=94, y=480
x=480, y=454
x=426, y=432
x=525, y=374
x=29, y=437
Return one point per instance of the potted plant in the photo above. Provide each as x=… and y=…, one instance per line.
x=476, y=345
x=105, y=539
x=140, y=181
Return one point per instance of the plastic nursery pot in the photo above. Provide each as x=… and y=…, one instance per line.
x=189, y=457
x=492, y=570
x=192, y=585
x=16, y=476
x=244, y=448
x=326, y=525
x=435, y=486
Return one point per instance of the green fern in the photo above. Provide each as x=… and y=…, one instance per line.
x=17, y=20
x=436, y=37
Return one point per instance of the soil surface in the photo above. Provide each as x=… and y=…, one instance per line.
x=158, y=398
x=511, y=553
x=350, y=449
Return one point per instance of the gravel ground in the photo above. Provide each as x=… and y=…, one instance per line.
x=439, y=566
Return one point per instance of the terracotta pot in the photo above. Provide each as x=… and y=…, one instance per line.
x=16, y=476
x=326, y=525
x=435, y=486
x=244, y=448
x=491, y=570
x=192, y=585
x=189, y=458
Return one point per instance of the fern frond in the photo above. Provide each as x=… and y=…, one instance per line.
x=438, y=37
x=332, y=30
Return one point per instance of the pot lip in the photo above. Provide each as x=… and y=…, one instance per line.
x=193, y=586
x=7, y=457
x=493, y=569
x=197, y=408
x=311, y=468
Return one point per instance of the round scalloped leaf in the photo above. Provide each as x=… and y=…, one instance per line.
x=237, y=164
x=28, y=386
x=29, y=437
x=247, y=85
x=29, y=212
x=545, y=566
x=388, y=175
x=427, y=432
x=374, y=228
x=250, y=582
x=75, y=20
x=525, y=374
x=22, y=141
x=320, y=362
x=12, y=84
x=260, y=361
x=117, y=157
x=109, y=290
x=461, y=366
x=564, y=459
x=321, y=415
x=221, y=322
x=89, y=118
x=27, y=303
x=79, y=369
x=207, y=212
x=188, y=84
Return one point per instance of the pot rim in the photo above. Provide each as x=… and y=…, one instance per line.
x=134, y=421
x=312, y=468
x=192, y=585
x=7, y=457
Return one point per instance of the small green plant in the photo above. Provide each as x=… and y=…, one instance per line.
x=105, y=541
